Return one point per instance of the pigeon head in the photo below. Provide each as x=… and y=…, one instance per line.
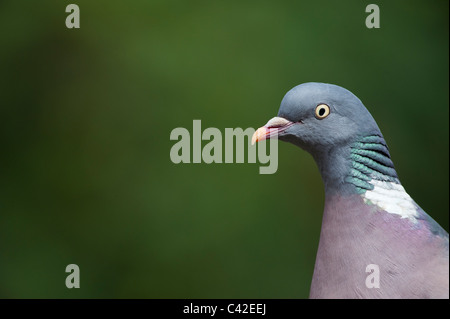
x=319, y=116
x=327, y=120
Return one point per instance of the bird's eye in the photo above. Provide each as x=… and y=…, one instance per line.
x=322, y=111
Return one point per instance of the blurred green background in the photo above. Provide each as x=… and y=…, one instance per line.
x=86, y=115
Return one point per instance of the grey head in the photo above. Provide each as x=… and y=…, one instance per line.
x=335, y=127
x=317, y=133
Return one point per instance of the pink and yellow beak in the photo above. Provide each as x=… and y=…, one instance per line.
x=271, y=130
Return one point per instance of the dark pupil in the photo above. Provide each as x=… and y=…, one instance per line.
x=322, y=111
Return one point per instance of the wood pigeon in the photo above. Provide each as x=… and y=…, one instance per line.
x=375, y=241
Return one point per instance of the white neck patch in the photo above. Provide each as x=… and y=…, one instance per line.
x=392, y=198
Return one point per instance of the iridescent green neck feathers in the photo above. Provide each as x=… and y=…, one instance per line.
x=370, y=160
